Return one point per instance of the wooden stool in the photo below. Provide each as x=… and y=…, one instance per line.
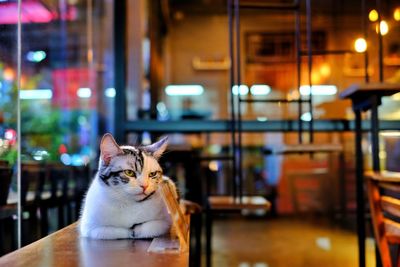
x=384, y=199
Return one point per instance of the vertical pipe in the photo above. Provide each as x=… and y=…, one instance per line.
x=380, y=40
x=120, y=69
x=232, y=99
x=298, y=67
x=309, y=53
x=360, y=189
x=365, y=32
x=375, y=133
x=19, y=47
x=239, y=82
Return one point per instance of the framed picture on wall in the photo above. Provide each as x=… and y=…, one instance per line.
x=279, y=47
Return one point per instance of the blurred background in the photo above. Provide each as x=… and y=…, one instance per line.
x=69, y=82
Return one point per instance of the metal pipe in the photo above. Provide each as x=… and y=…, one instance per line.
x=380, y=40
x=120, y=69
x=298, y=70
x=365, y=32
x=232, y=97
x=375, y=132
x=239, y=81
x=309, y=49
x=360, y=190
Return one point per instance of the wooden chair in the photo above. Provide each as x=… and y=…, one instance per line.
x=33, y=176
x=56, y=196
x=81, y=177
x=384, y=199
x=7, y=237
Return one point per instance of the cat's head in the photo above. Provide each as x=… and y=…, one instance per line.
x=131, y=170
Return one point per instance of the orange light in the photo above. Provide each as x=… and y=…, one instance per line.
x=325, y=70
x=396, y=14
x=373, y=15
x=9, y=74
x=360, y=45
x=315, y=78
x=383, y=28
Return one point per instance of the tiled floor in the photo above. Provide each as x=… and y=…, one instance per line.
x=284, y=242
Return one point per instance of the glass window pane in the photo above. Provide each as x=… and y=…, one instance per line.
x=8, y=122
x=67, y=94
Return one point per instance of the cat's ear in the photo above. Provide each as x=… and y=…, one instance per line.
x=109, y=148
x=158, y=148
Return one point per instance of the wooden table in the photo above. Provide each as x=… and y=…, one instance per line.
x=66, y=248
x=366, y=97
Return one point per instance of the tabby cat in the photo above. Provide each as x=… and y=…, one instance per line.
x=123, y=201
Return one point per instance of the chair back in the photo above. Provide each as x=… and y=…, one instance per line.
x=384, y=199
x=59, y=176
x=5, y=182
x=32, y=180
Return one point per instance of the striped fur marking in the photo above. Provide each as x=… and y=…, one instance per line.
x=147, y=197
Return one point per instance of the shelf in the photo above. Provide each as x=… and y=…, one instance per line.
x=274, y=100
x=230, y=203
x=270, y=6
x=304, y=148
x=327, y=52
x=215, y=157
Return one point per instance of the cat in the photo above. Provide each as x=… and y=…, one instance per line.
x=122, y=201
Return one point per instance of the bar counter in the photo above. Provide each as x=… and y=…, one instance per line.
x=66, y=248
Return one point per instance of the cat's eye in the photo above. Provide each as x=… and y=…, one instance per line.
x=129, y=173
x=153, y=174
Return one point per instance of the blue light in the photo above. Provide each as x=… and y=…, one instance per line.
x=36, y=94
x=36, y=56
x=110, y=92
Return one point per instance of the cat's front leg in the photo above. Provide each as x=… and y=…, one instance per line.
x=108, y=232
x=151, y=229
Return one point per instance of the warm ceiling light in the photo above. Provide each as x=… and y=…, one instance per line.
x=396, y=14
x=373, y=15
x=184, y=89
x=242, y=89
x=260, y=89
x=360, y=45
x=318, y=90
x=383, y=28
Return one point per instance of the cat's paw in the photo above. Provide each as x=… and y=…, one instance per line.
x=150, y=229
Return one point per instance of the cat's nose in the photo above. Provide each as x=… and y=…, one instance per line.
x=144, y=186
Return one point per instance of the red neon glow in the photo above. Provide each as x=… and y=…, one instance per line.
x=66, y=83
x=62, y=149
x=33, y=11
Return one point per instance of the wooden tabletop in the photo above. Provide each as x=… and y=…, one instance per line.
x=380, y=89
x=66, y=248
x=383, y=176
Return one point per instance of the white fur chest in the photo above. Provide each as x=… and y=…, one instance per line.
x=108, y=209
